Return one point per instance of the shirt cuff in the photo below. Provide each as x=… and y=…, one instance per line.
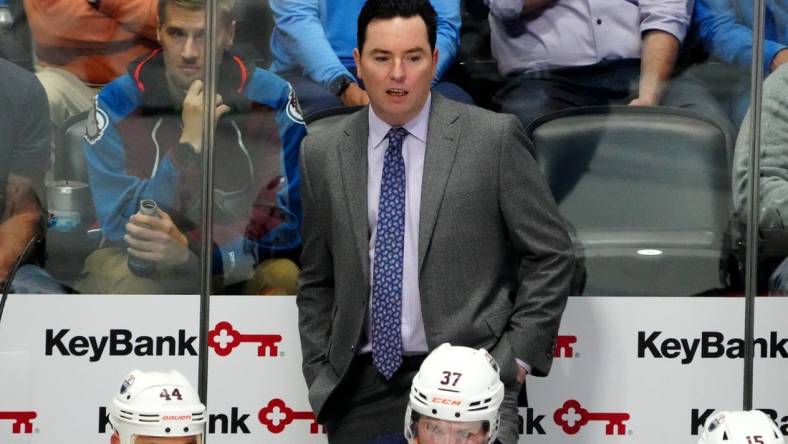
x=523, y=365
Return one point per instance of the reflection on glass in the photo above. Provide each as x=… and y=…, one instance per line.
x=24, y=155
x=143, y=146
x=726, y=28
x=772, y=181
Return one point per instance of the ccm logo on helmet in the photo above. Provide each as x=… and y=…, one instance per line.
x=446, y=401
x=711, y=344
x=22, y=421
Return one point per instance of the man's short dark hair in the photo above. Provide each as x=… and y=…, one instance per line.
x=389, y=9
x=225, y=8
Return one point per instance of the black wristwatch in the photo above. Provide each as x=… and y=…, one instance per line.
x=339, y=85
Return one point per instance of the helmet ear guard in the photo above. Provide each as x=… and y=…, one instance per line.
x=156, y=404
x=456, y=384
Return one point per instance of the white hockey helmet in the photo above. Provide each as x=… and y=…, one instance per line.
x=458, y=385
x=745, y=427
x=157, y=404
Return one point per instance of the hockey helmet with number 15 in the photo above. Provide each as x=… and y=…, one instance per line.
x=747, y=427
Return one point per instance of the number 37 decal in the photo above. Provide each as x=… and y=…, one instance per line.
x=451, y=378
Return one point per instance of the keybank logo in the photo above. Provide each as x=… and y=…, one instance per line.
x=570, y=418
x=274, y=417
x=698, y=418
x=564, y=346
x=117, y=342
x=21, y=422
x=223, y=338
x=710, y=344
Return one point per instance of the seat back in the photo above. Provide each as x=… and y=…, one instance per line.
x=69, y=159
x=67, y=251
x=648, y=190
x=326, y=118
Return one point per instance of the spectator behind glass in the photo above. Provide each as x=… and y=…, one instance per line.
x=312, y=46
x=564, y=53
x=82, y=45
x=144, y=141
x=24, y=157
x=725, y=28
x=773, y=177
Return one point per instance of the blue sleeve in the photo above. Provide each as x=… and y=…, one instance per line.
x=725, y=36
x=268, y=89
x=303, y=38
x=448, y=40
x=116, y=193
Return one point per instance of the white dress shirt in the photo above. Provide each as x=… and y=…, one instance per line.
x=414, y=340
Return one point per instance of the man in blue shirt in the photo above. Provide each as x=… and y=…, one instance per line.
x=725, y=27
x=312, y=47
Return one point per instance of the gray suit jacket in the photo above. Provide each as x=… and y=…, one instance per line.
x=495, y=259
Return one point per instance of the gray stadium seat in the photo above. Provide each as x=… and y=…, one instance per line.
x=636, y=181
x=66, y=252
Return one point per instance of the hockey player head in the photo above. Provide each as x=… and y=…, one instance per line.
x=157, y=408
x=454, y=398
x=747, y=427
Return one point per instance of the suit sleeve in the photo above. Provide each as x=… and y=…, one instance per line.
x=315, y=297
x=539, y=235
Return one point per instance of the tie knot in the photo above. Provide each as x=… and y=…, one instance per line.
x=396, y=135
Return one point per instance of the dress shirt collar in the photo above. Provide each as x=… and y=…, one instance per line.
x=417, y=127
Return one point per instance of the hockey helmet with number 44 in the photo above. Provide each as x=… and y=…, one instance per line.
x=151, y=405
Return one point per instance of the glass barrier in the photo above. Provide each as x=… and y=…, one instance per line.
x=634, y=161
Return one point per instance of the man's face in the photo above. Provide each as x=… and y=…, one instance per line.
x=438, y=431
x=397, y=67
x=182, y=38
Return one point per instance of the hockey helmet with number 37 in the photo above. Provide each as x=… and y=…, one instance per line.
x=455, y=388
x=746, y=427
x=157, y=404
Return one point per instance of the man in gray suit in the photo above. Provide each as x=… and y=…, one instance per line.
x=425, y=221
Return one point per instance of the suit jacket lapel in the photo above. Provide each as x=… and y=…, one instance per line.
x=442, y=141
x=353, y=153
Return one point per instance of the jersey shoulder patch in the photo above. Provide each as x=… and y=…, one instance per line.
x=96, y=124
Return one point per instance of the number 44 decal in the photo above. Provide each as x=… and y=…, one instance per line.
x=169, y=395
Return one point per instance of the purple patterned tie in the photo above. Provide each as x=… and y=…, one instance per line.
x=387, y=271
